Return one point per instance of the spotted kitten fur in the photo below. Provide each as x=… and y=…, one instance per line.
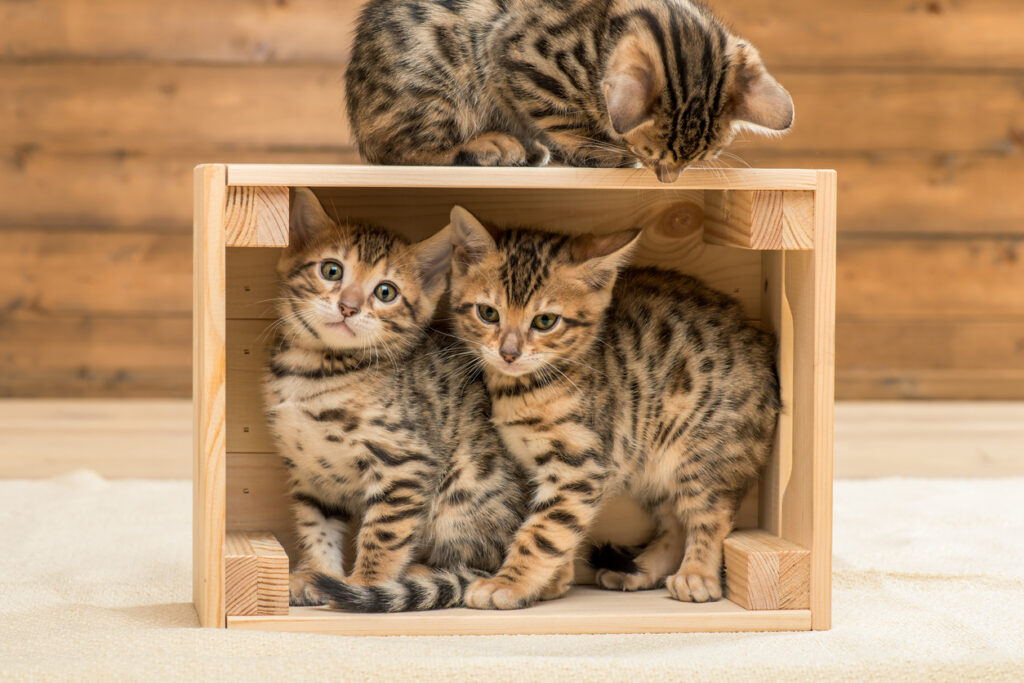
x=593, y=82
x=375, y=422
x=643, y=382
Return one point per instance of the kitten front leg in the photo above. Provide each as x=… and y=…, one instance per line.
x=581, y=146
x=321, y=538
x=699, y=576
x=565, y=506
x=385, y=545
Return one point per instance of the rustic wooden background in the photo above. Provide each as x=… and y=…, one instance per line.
x=105, y=107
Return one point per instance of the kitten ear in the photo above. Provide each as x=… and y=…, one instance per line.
x=433, y=260
x=760, y=100
x=470, y=239
x=601, y=256
x=307, y=219
x=631, y=86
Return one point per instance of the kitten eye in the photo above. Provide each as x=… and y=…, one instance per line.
x=487, y=313
x=545, y=321
x=330, y=270
x=386, y=292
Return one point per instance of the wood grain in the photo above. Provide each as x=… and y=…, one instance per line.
x=136, y=107
x=244, y=31
x=92, y=356
x=875, y=33
x=255, y=575
x=256, y=217
x=208, y=399
x=763, y=571
x=73, y=272
x=759, y=219
x=975, y=279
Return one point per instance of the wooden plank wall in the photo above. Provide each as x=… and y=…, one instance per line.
x=107, y=105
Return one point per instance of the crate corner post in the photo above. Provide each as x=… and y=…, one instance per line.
x=208, y=399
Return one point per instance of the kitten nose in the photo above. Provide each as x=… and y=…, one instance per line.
x=510, y=355
x=347, y=309
x=667, y=173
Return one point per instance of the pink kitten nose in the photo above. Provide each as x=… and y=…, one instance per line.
x=347, y=310
x=510, y=355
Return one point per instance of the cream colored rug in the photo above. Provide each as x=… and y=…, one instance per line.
x=94, y=585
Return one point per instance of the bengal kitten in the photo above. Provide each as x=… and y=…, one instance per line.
x=375, y=420
x=643, y=382
x=594, y=82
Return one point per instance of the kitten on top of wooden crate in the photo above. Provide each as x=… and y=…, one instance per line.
x=376, y=420
x=607, y=379
x=605, y=83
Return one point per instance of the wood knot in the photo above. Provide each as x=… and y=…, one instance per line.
x=681, y=220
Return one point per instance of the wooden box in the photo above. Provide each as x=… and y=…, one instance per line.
x=765, y=236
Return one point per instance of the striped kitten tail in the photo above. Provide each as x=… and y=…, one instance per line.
x=438, y=589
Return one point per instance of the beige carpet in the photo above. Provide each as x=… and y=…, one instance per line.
x=94, y=585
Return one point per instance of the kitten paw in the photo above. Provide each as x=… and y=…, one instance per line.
x=496, y=594
x=539, y=155
x=555, y=590
x=621, y=581
x=492, y=149
x=301, y=592
x=694, y=587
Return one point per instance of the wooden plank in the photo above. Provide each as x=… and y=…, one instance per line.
x=904, y=347
x=244, y=31
x=241, y=575
x=929, y=439
x=1004, y=384
x=777, y=318
x=255, y=575
x=76, y=272
x=810, y=284
x=930, y=359
x=548, y=178
x=136, y=439
x=908, y=111
x=907, y=279
x=800, y=33
x=67, y=356
x=118, y=191
x=881, y=33
x=145, y=107
x=208, y=479
x=256, y=217
x=890, y=193
x=763, y=571
x=900, y=193
x=759, y=219
x=582, y=610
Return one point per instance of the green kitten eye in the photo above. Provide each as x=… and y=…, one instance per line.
x=487, y=313
x=386, y=292
x=545, y=321
x=330, y=270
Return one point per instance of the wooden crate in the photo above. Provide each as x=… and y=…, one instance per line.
x=765, y=236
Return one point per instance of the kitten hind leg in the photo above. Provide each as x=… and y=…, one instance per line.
x=699, y=576
x=321, y=539
x=491, y=149
x=658, y=560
